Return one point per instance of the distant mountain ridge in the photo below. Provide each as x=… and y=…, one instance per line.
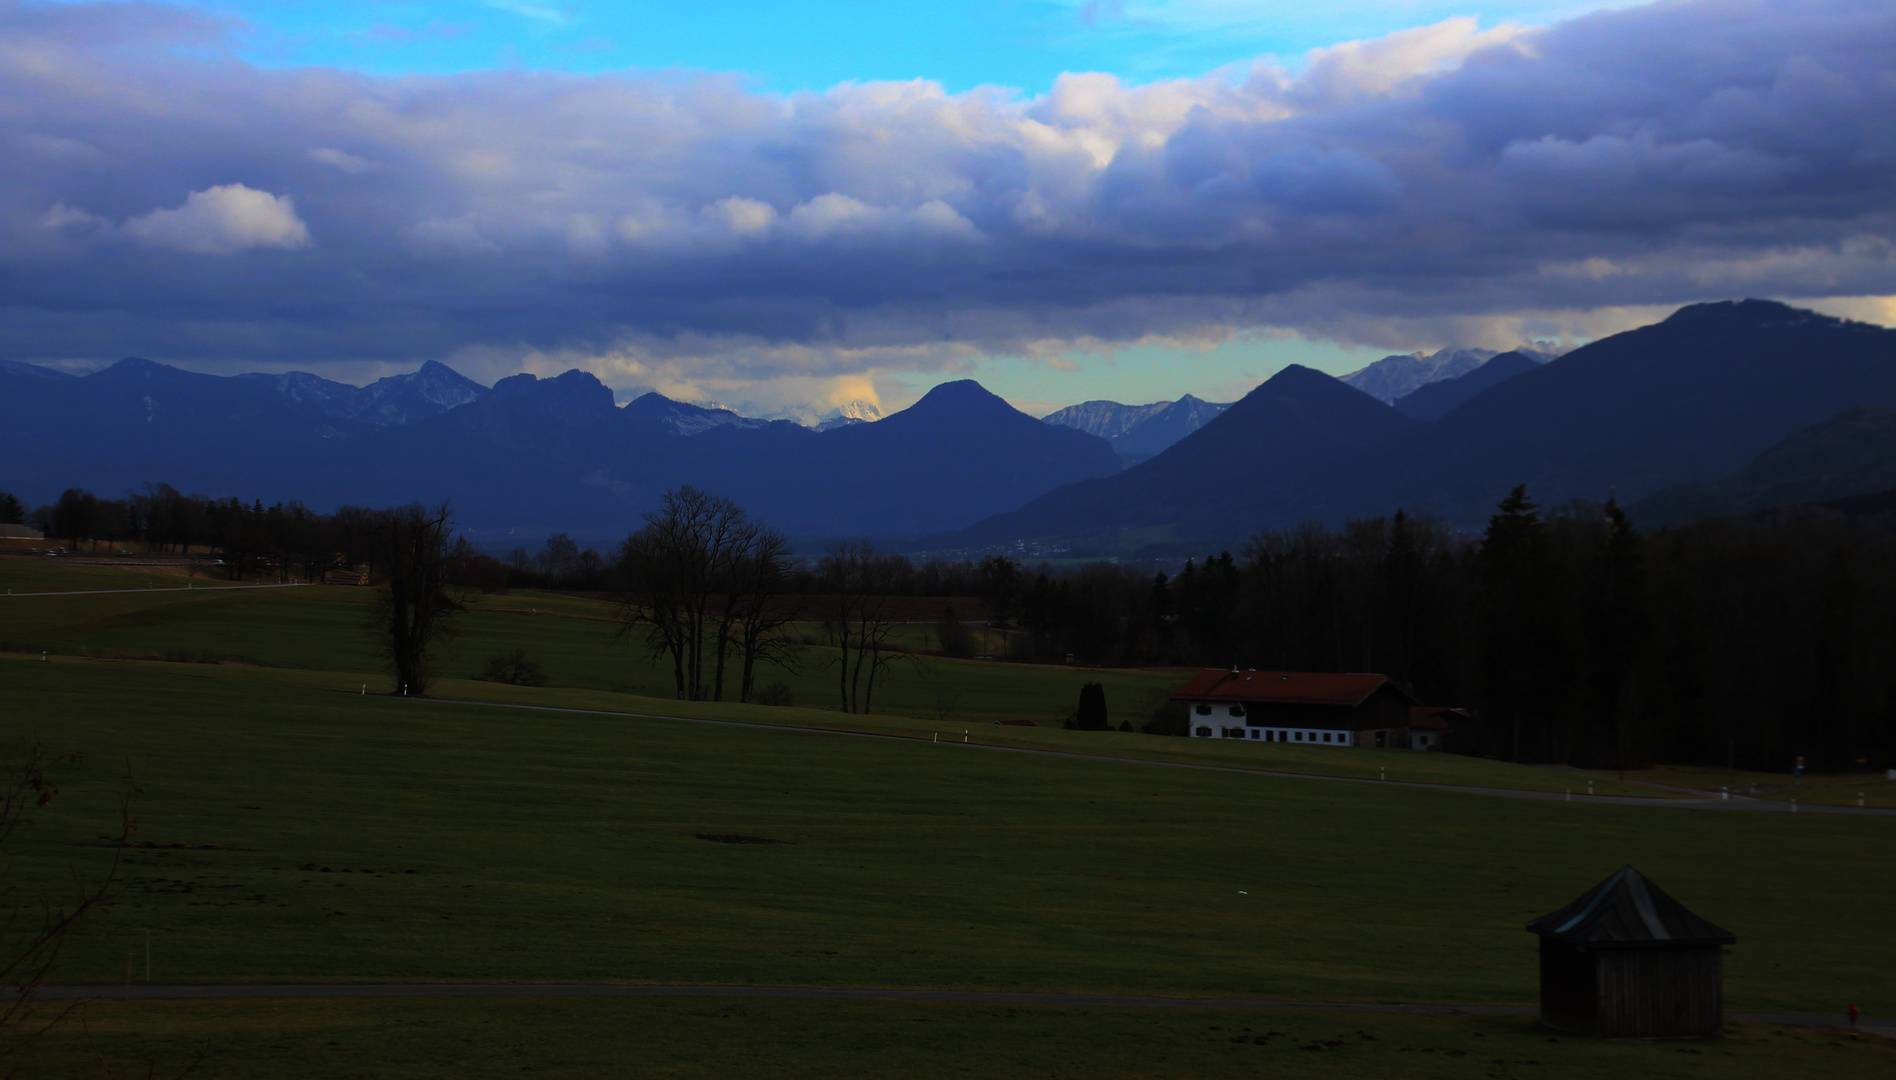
x=528, y=454
x=1107, y=419
x=397, y=399
x=1278, y=446
x=1721, y=407
x=1137, y=432
x=1393, y=378
x=684, y=417
x=1852, y=454
x=1398, y=376
x=1693, y=397
x=1435, y=400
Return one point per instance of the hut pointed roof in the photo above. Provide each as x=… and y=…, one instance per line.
x=1627, y=911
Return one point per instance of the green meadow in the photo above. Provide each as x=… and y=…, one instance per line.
x=293, y=828
x=717, y=1039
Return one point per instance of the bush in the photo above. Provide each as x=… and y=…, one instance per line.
x=514, y=669
x=774, y=694
x=1168, y=718
x=1125, y=725
x=954, y=637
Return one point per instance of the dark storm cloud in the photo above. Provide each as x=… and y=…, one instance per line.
x=181, y=204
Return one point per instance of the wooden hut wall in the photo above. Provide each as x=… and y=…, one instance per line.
x=1632, y=993
x=1569, y=997
x=1655, y=993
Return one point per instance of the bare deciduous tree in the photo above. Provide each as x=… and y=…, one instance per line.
x=33, y=932
x=414, y=542
x=757, y=614
x=859, y=581
x=700, y=579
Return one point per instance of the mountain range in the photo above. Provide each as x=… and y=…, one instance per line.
x=530, y=455
x=1723, y=407
x=1693, y=397
x=1137, y=432
x=1398, y=376
x=1851, y=454
x=1432, y=401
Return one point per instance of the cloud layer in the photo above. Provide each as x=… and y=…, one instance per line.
x=1446, y=183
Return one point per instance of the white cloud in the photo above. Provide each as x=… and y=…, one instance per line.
x=1358, y=69
x=222, y=220
x=833, y=216
x=73, y=219
x=342, y=159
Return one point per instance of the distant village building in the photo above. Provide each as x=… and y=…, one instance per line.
x=1626, y=961
x=20, y=532
x=1430, y=724
x=1296, y=707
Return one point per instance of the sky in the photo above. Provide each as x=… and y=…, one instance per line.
x=776, y=205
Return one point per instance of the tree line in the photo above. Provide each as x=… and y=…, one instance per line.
x=1572, y=635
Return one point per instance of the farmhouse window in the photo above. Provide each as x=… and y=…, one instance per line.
x=1237, y=710
x=1203, y=710
x=1204, y=733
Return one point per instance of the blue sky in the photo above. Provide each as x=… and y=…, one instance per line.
x=756, y=203
x=815, y=44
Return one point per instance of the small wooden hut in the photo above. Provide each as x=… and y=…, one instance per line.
x=1628, y=961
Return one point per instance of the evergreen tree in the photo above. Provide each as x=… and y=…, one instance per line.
x=1618, y=631
x=1516, y=626
x=1091, y=714
x=1399, y=599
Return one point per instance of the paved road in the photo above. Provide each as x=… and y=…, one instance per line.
x=142, y=992
x=169, y=588
x=1704, y=803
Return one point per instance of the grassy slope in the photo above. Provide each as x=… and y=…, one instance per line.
x=58, y=575
x=321, y=630
x=562, y=847
x=558, y=846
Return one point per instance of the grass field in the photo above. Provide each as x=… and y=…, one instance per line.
x=691, y=1038
x=319, y=631
x=51, y=575
x=548, y=846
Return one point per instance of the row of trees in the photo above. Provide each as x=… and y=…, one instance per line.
x=1574, y=635
x=284, y=540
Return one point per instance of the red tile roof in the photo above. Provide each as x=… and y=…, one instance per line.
x=1288, y=687
x=1434, y=716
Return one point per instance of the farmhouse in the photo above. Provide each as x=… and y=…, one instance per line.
x=1297, y=707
